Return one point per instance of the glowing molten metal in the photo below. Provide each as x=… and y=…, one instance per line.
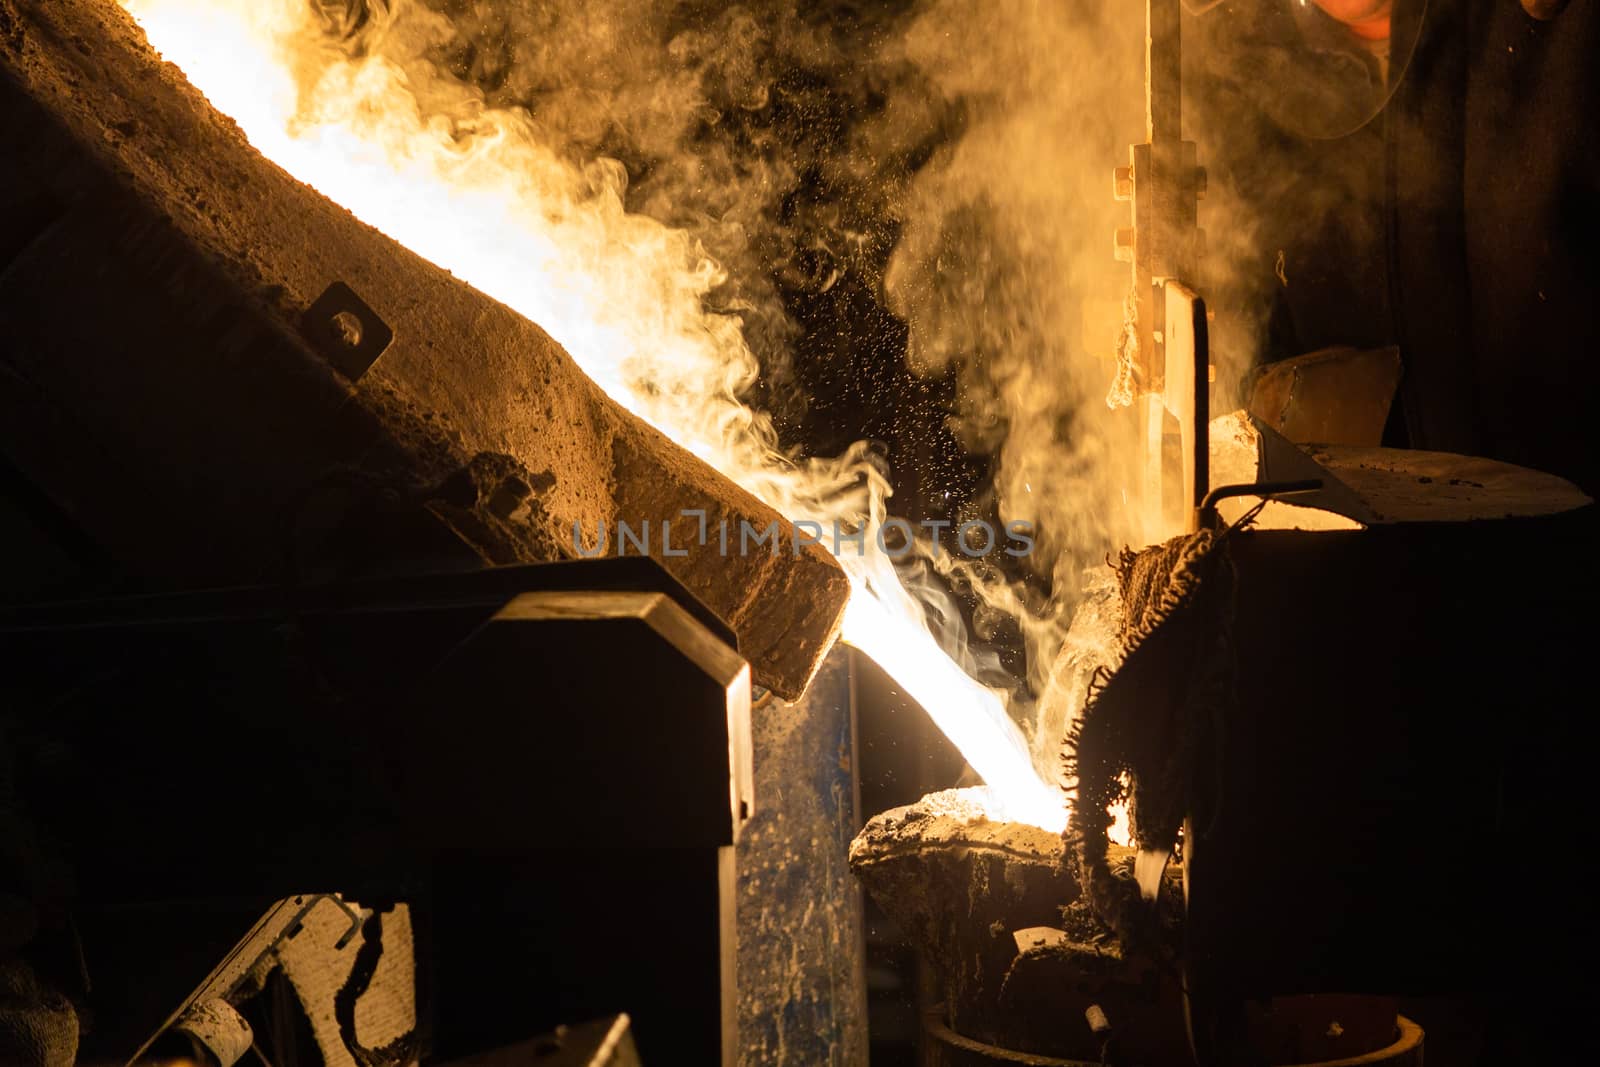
x=471, y=189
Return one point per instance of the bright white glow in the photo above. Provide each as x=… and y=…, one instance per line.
x=480, y=196
x=970, y=715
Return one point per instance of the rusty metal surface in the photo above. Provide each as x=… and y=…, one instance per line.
x=156, y=385
x=1027, y=977
x=1338, y=396
x=1375, y=486
x=802, y=984
x=994, y=908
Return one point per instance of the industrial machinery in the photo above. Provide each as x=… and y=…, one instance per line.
x=1334, y=694
x=326, y=738
x=321, y=739
x=449, y=742
x=1164, y=352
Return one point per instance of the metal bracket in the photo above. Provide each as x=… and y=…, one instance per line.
x=1171, y=364
x=346, y=331
x=282, y=921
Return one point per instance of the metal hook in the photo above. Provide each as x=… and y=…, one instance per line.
x=1208, y=506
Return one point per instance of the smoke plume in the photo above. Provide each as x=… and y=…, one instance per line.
x=950, y=159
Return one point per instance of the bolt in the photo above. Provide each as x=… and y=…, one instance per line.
x=347, y=328
x=1123, y=244
x=1122, y=183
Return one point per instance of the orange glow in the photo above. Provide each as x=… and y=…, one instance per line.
x=478, y=195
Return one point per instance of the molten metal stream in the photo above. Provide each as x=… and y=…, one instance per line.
x=471, y=189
